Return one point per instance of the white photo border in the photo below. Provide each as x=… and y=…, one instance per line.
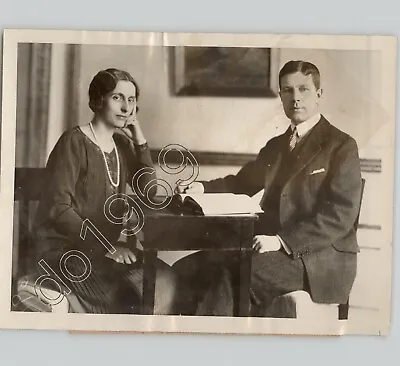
x=387, y=45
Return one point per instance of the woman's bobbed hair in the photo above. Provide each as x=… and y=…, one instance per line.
x=104, y=82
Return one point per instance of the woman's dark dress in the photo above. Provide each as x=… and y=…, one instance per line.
x=77, y=186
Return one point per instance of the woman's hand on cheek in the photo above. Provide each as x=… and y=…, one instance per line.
x=133, y=130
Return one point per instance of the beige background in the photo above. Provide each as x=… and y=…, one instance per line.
x=350, y=79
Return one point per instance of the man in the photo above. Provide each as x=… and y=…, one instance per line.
x=305, y=239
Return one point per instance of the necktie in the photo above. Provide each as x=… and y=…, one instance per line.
x=293, y=139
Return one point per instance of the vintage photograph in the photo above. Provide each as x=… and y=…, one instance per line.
x=197, y=183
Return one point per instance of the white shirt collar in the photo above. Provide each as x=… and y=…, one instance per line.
x=307, y=125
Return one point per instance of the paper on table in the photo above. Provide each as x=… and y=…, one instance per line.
x=224, y=203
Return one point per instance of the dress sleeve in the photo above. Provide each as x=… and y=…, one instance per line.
x=62, y=172
x=141, y=174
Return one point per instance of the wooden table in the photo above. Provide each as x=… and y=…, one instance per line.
x=166, y=231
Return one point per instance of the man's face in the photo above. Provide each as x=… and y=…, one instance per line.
x=299, y=96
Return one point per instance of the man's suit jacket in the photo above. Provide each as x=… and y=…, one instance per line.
x=319, y=205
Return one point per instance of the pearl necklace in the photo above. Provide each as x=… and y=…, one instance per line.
x=105, y=159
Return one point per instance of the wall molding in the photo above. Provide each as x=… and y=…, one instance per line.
x=369, y=226
x=239, y=159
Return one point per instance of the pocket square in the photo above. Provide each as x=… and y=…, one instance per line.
x=316, y=171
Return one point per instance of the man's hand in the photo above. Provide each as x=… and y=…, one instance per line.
x=122, y=255
x=195, y=187
x=264, y=243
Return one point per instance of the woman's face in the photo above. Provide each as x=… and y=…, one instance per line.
x=119, y=104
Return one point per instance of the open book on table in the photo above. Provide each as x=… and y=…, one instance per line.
x=215, y=204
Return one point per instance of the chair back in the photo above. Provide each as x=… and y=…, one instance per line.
x=344, y=308
x=359, y=207
x=28, y=186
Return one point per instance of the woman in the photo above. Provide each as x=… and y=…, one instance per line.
x=89, y=164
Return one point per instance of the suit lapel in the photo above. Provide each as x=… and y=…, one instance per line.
x=312, y=146
x=272, y=170
x=274, y=162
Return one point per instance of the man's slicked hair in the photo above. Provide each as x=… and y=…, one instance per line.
x=306, y=68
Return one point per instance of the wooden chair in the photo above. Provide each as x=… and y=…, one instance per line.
x=298, y=304
x=26, y=296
